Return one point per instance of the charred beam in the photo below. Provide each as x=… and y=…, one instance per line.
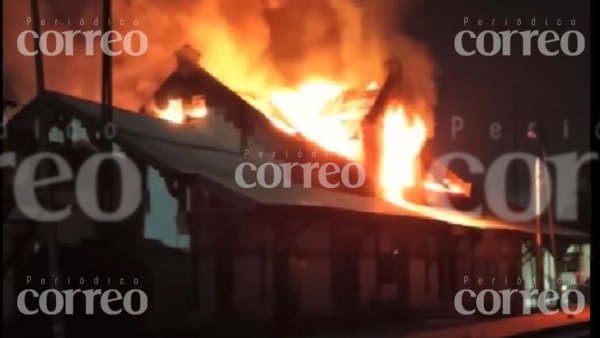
x=389, y=86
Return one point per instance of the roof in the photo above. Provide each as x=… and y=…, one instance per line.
x=193, y=151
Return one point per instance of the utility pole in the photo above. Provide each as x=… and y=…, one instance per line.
x=515, y=172
x=539, y=252
x=50, y=228
x=107, y=104
x=106, y=122
x=546, y=180
x=542, y=175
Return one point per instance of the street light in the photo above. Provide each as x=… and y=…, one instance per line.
x=539, y=256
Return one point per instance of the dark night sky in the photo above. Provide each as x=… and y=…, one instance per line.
x=484, y=89
x=511, y=90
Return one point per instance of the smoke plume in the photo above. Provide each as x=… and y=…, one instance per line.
x=251, y=45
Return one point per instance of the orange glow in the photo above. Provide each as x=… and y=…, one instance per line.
x=403, y=139
x=173, y=112
x=452, y=216
x=447, y=187
x=319, y=85
x=325, y=113
x=311, y=111
x=373, y=86
x=177, y=112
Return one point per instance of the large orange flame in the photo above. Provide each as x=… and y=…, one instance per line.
x=401, y=145
x=310, y=111
x=301, y=84
x=318, y=111
x=296, y=61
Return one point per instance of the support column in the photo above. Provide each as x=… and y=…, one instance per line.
x=282, y=293
x=403, y=278
x=224, y=249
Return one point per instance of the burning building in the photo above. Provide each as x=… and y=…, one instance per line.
x=292, y=254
